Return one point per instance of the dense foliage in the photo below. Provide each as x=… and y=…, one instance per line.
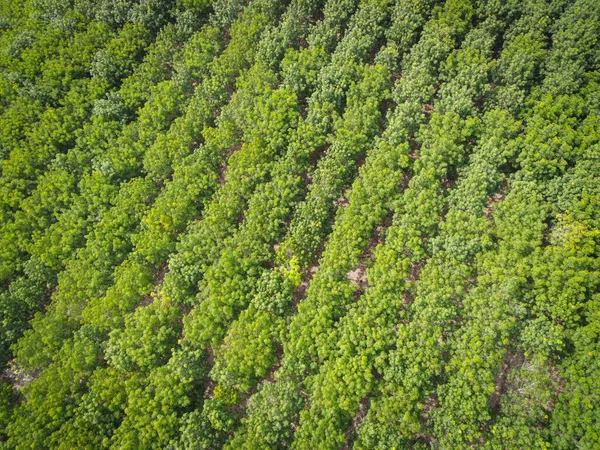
x=309, y=224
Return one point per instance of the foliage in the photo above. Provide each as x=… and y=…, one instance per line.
x=309, y=224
